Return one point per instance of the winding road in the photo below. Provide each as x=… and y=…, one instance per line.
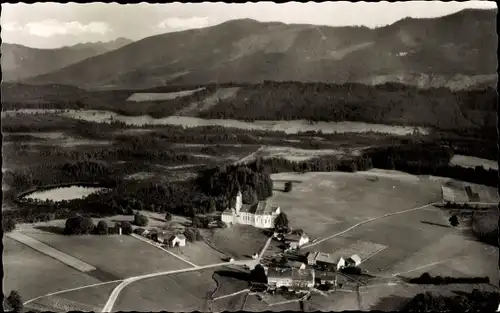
x=118, y=289
x=249, y=262
x=248, y=157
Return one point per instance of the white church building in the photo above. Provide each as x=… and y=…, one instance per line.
x=260, y=214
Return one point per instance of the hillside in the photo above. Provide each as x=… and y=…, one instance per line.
x=455, y=51
x=20, y=62
x=388, y=103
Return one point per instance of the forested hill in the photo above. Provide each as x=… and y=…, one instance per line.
x=456, y=51
x=389, y=103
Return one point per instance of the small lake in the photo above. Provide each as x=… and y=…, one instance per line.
x=63, y=193
x=289, y=127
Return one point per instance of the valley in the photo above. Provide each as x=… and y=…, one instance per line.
x=212, y=164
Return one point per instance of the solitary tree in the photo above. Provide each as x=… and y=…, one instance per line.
x=197, y=222
x=126, y=228
x=8, y=224
x=140, y=220
x=258, y=275
x=288, y=186
x=454, y=221
x=102, y=228
x=281, y=221
x=14, y=301
x=168, y=216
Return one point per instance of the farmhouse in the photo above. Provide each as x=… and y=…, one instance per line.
x=177, y=240
x=325, y=260
x=260, y=214
x=324, y=278
x=473, y=196
x=290, y=277
x=294, y=241
x=353, y=261
x=297, y=264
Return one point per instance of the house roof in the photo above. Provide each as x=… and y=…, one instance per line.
x=323, y=257
x=325, y=275
x=295, y=263
x=259, y=208
x=178, y=236
x=249, y=208
x=355, y=258
x=291, y=273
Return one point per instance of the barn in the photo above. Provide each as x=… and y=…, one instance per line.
x=353, y=261
x=290, y=277
x=178, y=240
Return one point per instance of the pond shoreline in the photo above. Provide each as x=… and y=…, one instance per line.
x=19, y=197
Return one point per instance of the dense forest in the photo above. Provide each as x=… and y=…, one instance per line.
x=212, y=190
x=475, y=301
x=389, y=103
x=429, y=159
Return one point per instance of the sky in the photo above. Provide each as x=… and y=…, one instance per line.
x=52, y=25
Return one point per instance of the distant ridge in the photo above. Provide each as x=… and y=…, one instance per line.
x=456, y=51
x=20, y=62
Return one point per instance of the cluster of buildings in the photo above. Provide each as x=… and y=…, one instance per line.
x=173, y=240
x=330, y=262
x=320, y=269
x=260, y=214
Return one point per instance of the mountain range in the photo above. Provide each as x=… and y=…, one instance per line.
x=20, y=62
x=457, y=51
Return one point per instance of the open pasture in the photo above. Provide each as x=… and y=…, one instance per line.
x=229, y=280
x=254, y=304
x=239, y=241
x=199, y=253
x=34, y=274
x=290, y=127
x=183, y=292
x=220, y=94
x=51, y=252
x=454, y=191
x=87, y=299
x=338, y=248
x=161, y=96
x=472, y=162
x=116, y=255
x=295, y=154
x=327, y=203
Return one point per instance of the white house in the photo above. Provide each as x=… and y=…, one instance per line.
x=260, y=214
x=290, y=277
x=326, y=259
x=295, y=243
x=353, y=261
x=340, y=263
x=177, y=240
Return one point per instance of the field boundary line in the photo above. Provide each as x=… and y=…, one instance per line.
x=423, y=266
x=367, y=221
x=249, y=156
x=374, y=253
x=69, y=290
x=116, y=292
x=51, y=252
x=157, y=246
x=231, y=294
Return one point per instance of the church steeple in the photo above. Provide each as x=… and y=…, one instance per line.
x=239, y=202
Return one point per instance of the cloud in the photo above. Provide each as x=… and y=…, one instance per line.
x=184, y=23
x=12, y=26
x=52, y=27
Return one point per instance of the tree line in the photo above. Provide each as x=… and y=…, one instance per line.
x=475, y=301
x=388, y=103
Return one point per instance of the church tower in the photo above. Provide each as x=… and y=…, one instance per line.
x=239, y=202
